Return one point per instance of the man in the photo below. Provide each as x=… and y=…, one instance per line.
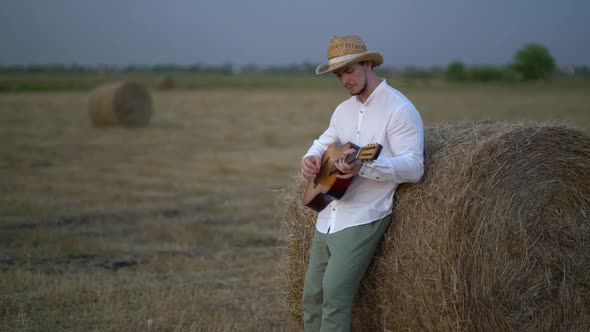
x=348, y=230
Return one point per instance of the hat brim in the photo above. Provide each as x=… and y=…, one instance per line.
x=365, y=56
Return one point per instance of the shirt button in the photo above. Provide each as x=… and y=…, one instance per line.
x=333, y=209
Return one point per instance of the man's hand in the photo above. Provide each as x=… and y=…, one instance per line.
x=348, y=170
x=310, y=166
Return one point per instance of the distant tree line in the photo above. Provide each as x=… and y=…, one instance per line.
x=532, y=62
x=225, y=69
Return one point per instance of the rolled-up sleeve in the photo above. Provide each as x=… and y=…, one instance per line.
x=405, y=135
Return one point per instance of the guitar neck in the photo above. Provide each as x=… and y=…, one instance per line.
x=351, y=157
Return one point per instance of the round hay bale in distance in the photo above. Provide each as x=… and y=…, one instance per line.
x=496, y=236
x=167, y=83
x=122, y=103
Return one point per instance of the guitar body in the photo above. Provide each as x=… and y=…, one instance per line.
x=326, y=187
x=320, y=200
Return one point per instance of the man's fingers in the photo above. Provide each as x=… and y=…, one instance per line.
x=313, y=166
x=306, y=172
x=306, y=175
x=310, y=167
x=342, y=166
x=312, y=163
x=344, y=176
x=346, y=170
x=316, y=162
x=349, y=151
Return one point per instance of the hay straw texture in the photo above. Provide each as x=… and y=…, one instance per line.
x=496, y=236
x=123, y=103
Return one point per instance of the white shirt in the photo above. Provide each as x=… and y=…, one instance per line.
x=386, y=117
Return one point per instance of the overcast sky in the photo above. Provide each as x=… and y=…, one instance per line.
x=278, y=32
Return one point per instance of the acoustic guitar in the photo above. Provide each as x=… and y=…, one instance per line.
x=326, y=187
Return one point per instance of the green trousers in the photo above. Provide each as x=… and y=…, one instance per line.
x=336, y=267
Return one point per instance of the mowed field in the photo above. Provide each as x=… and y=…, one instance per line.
x=172, y=227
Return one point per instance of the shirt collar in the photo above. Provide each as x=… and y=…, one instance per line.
x=374, y=93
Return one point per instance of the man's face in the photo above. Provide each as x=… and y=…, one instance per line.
x=353, y=77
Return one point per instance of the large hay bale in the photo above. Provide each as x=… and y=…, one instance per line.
x=496, y=236
x=121, y=103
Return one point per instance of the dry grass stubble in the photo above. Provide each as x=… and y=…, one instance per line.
x=103, y=229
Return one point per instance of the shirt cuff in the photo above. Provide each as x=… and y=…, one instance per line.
x=315, y=151
x=371, y=171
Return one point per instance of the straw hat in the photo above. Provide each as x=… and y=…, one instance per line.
x=345, y=50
